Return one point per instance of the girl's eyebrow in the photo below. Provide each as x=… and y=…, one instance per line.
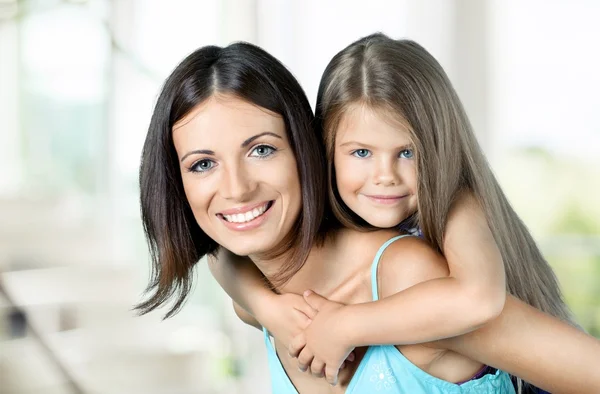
x=356, y=143
x=403, y=147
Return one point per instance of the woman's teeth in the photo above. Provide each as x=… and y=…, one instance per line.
x=246, y=217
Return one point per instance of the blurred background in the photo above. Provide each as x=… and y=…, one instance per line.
x=78, y=79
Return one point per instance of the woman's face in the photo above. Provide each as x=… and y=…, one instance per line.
x=375, y=167
x=239, y=174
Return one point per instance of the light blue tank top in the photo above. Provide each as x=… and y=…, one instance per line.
x=384, y=369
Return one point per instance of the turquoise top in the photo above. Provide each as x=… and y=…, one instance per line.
x=385, y=369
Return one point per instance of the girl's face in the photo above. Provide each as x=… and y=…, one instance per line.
x=239, y=174
x=375, y=167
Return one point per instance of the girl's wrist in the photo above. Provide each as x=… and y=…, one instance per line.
x=347, y=323
x=352, y=326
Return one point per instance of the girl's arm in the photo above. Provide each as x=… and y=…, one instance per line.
x=283, y=315
x=244, y=316
x=535, y=346
x=471, y=295
x=337, y=329
x=241, y=280
x=523, y=341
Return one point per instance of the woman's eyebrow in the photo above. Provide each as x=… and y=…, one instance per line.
x=249, y=140
x=244, y=144
x=199, y=152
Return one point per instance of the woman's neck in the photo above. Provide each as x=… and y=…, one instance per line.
x=326, y=268
x=270, y=264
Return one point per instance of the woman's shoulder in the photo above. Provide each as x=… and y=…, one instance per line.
x=408, y=261
x=404, y=263
x=359, y=246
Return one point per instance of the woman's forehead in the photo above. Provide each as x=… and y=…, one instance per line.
x=221, y=125
x=227, y=107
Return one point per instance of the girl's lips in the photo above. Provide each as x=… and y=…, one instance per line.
x=385, y=199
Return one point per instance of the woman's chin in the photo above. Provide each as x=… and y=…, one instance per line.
x=245, y=250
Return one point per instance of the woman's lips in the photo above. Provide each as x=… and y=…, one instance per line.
x=246, y=218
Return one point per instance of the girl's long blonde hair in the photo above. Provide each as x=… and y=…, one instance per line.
x=401, y=77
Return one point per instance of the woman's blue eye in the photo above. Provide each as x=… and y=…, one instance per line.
x=262, y=151
x=362, y=153
x=407, y=154
x=202, y=165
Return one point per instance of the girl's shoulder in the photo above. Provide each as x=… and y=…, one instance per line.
x=466, y=209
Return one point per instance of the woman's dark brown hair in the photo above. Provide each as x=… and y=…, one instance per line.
x=175, y=240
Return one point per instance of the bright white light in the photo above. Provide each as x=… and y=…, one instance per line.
x=65, y=51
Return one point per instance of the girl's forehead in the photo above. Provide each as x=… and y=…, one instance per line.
x=363, y=118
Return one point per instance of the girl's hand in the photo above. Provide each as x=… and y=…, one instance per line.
x=322, y=345
x=285, y=316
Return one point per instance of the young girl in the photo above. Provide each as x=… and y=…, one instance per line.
x=402, y=153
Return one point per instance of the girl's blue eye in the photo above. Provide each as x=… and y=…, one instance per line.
x=202, y=165
x=262, y=151
x=407, y=154
x=362, y=153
